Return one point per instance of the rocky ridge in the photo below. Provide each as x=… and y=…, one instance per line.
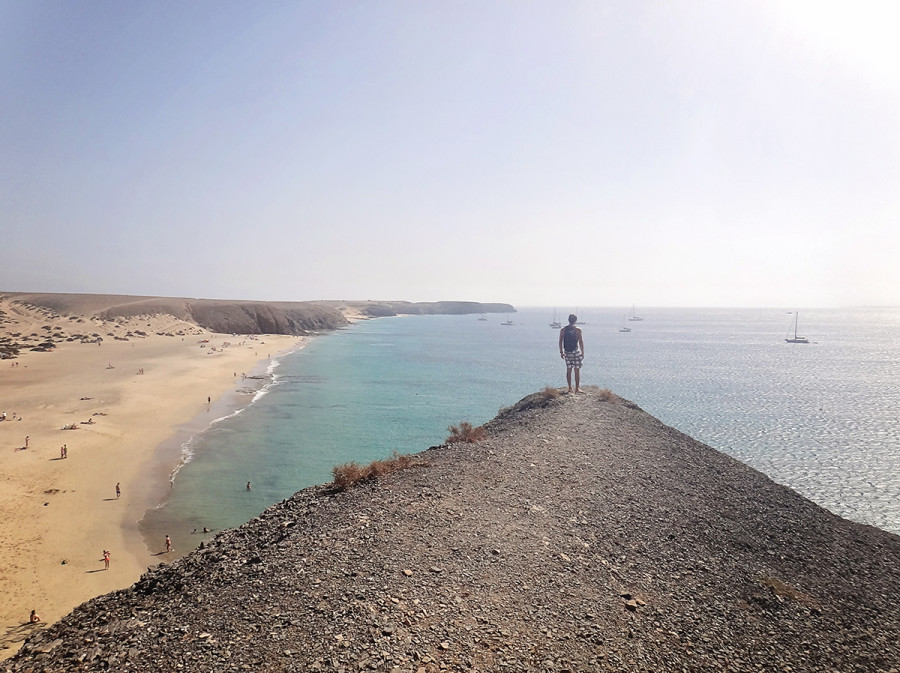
x=581, y=535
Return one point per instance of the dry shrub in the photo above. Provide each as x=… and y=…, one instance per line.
x=606, y=395
x=352, y=473
x=465, y=433
x=549, y=393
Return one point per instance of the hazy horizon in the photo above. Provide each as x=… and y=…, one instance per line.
x=603, y=153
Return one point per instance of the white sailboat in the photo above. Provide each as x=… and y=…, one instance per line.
x=508, y=322
x=624, y=327
x=555, y=324
x=796, y=339
x=633, y=317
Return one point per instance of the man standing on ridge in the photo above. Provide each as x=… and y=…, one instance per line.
x=571, y=349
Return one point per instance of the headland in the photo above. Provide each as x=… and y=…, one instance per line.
x=580, y=535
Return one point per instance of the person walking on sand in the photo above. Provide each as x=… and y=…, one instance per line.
x=26, y=441
x=168, y=544
x=118, y=491
x=571, y=349
x=105, y=559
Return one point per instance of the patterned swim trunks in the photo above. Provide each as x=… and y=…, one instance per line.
x=574, y=359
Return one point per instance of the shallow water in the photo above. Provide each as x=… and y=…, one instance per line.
x=819, y=417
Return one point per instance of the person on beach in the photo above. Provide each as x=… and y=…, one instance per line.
x=118, y=491
x=34, y=617
x=105, y=559
x=248, y=486
x=571, y=349
x=26, y=441
x=168, y=544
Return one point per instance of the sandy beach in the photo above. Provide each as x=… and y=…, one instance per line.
x=111, y=404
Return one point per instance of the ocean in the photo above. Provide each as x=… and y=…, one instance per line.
x=820, y=417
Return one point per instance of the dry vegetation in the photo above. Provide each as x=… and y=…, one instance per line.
x=465, y=433
x=352, y=473
x=607, y=395
x=549, y=393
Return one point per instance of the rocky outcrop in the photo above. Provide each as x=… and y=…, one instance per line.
x=581, y=535
x=265, y=317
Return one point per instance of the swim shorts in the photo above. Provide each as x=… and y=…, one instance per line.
x=574, y=359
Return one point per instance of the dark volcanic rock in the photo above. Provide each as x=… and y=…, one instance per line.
x=582, y=535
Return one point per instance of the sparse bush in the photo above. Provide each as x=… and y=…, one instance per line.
x=549, y=393
x=352, y=473
x=606, y=395
x=465, y=433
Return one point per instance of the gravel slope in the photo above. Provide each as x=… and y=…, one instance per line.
x=582, y=535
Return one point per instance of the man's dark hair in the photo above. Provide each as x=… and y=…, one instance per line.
x=573, y=318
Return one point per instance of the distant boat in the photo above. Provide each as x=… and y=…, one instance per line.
x=508, y=322
x=796, y=339
x=625, y=328
x=484, y=317
x=633, y=317
x=555, y=324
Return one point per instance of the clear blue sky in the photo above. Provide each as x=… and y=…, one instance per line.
x=669, y=153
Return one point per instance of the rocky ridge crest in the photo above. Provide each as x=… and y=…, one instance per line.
x=581, y=535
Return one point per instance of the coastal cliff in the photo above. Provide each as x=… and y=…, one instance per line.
x=581, y=535
x=242, y=317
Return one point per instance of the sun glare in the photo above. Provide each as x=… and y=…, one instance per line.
x=859, y=35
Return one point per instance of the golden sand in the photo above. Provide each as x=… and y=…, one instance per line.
x=123, y=398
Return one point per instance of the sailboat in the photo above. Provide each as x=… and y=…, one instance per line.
x=633, y=317
x=625, y=328
x=508, y=321
x=483, y=318
x=555, y=324
x=796, y=339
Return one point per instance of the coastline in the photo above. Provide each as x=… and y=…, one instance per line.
x=173, y=454
x=114, y=405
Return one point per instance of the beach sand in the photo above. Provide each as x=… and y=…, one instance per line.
x=125, y=397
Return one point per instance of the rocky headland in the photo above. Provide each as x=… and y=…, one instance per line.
x=226, y=316
x=580, y=535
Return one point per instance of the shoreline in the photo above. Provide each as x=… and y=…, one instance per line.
x=170, y=456
x=114, y=404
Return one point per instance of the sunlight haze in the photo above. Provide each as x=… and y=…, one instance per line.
x=539, y=153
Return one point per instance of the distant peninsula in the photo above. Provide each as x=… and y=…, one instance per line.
x=580, y=534
x=244, y=317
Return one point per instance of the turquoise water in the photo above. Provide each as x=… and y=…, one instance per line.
x=820, y=417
